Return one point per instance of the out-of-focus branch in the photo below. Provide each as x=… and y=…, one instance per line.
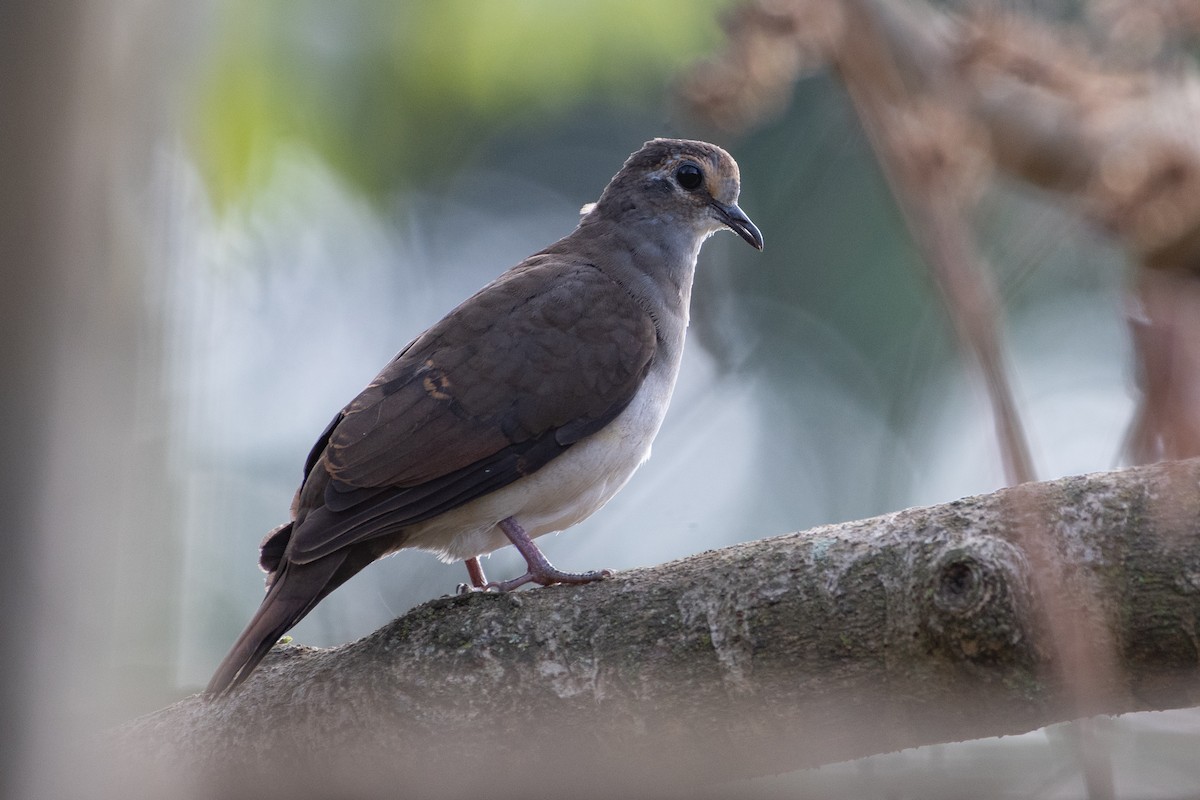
x=864, y=637
x=1165, y=321
x=934, y=169
x=1111, y=127
x=933, y=155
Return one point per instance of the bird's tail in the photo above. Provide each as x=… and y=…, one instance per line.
x=295, y=590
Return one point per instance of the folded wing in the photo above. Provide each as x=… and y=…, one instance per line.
x=539, y=359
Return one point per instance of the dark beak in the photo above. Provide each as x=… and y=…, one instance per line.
x=739, y=223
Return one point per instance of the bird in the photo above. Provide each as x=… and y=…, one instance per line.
x=520, y=413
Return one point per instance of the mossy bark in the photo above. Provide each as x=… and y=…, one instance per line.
x=926, y=625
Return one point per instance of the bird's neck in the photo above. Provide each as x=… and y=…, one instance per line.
x=653, y=258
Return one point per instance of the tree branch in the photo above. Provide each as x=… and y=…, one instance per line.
x=846, y=640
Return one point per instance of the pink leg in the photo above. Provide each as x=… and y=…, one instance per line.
x=475, y=570
x=478, y=579
x=541, y=571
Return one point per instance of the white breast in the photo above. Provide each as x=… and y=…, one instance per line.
x=564, y=492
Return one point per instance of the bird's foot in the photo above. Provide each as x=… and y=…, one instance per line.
x=548, y=576
x=541, y=571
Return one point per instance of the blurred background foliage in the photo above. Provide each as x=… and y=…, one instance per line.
x=392, y=94
x=339, y=175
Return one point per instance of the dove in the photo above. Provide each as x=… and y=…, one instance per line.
x=520, y=413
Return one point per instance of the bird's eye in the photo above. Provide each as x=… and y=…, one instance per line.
x=689, y=177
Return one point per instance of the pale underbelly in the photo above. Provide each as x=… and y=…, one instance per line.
x=564, y=492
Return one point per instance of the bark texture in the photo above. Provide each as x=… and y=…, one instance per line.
x=917, y=627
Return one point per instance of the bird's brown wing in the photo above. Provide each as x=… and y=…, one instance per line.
x=547, y=354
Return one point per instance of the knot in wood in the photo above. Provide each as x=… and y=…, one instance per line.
x=977, y=600
x=962, y=585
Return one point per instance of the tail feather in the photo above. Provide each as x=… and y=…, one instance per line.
x=296, y=589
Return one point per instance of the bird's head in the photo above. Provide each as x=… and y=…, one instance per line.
x=691, y=182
